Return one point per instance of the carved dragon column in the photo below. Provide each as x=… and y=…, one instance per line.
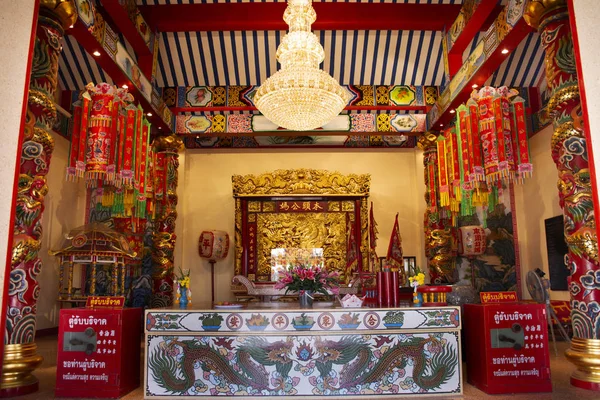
x=438, y=231
x=20, y=357
x=166, y=149
x=569, y=151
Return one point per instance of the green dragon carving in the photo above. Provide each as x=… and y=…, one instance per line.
x=164, y=366
x=441, y=366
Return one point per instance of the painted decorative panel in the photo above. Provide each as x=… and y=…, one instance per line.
x=290, y=320
x=313, y=366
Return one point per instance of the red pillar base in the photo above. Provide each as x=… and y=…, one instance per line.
x=20, y=390
x=585, y=384
x=585, y=354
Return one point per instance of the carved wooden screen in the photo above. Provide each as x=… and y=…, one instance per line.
x=298, y=209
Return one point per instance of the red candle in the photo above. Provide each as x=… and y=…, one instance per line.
x=395, y=289
x=380, y=289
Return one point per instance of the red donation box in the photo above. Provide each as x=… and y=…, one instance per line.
x=98, y=352
x=507, y=347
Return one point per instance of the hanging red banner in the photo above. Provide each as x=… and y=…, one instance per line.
x=501, y=148
x=443, y=173
x=127, y=172
x=524, y=168
x=141, y=201
x=85, y=112
x=464, y=144
x=74, y=150
x=455, y=164
x=507, y=133
x=475, y=139
x=111, y=169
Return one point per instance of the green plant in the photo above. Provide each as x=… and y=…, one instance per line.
x=394, y=317
x=213, y=319
x=303, y=320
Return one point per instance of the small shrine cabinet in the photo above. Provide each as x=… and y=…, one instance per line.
x=96, y=255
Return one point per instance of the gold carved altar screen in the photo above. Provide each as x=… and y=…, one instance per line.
x=299, y=209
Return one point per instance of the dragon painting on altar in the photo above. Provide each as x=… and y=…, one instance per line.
x=330, y=365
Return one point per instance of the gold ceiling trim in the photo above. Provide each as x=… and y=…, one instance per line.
x=301, y=182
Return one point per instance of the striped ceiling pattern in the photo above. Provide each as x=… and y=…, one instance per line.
x=352, y=57
x=363, y=57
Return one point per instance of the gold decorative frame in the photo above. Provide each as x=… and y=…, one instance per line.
x=297, y=183
x=301, y=182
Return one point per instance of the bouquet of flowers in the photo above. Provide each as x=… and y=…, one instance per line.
x=184, y=294
x=417, y=280
x=306, y=277
x=183, y=279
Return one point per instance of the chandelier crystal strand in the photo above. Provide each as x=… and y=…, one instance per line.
x=300, y=96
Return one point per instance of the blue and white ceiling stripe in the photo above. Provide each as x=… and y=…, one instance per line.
x=77, y=68
x=248, y=58
x=523, y=67
x=163, y=2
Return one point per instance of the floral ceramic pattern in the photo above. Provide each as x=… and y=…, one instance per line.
x=313, y=366
x=368, y=319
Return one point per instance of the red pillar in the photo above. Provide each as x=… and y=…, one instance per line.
x=20, y=357
x=570, y=154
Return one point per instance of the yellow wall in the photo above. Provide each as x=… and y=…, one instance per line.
x=206, y=197
x=65, y=210
x=537, y=200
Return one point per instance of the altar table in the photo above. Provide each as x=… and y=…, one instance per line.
x=280, y=350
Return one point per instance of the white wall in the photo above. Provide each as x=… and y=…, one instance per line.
x=16, y=22
x=64, y=210
x=206, y=196
x=587, y=15
x=537, y=200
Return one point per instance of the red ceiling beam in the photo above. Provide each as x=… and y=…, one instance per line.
x=493, y=62
x=483, y=11
x=119, y=16
x=269, y=16
x=90, y=44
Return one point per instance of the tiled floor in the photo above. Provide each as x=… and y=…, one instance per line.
x=560, y=367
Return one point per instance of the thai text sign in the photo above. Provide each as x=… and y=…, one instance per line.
x=105, y=302
x=498, y=297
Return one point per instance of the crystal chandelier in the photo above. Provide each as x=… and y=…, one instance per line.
x=300, y=96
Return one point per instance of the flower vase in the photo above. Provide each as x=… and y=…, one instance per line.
x=417, y=299
x=183, y=300
x=306, y=298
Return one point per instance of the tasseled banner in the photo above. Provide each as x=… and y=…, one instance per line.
x=81, y=158
x=443, y=173
x=521, y=141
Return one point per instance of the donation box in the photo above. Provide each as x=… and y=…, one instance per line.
x=506, y=345
x=98, y=352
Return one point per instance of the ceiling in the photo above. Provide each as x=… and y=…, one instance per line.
x=233, y=42
x=358, y=57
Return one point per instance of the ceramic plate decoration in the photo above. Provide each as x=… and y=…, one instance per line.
x=228, y=306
